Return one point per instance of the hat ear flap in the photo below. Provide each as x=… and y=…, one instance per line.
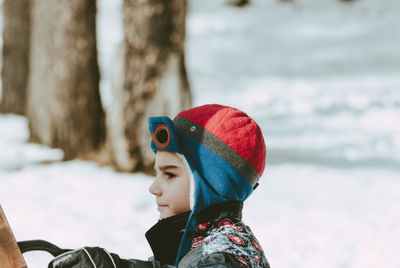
x=191, y=179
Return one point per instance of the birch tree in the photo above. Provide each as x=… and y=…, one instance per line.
x=64, y=108
x=150, y=78
x=15, y=56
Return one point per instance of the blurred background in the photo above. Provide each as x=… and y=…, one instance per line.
x=321, y=77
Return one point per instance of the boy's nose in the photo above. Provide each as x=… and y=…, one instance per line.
x=155, y=188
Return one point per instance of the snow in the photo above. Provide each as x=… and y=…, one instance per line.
x=321, y=78
x=304, y=216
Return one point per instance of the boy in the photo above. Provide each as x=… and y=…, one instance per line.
x=208, y=161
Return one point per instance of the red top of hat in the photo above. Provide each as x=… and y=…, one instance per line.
x=233, y=127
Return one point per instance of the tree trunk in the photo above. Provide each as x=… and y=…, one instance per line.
x=150, y=78
x=64, y=107
x=239, y=3
x=14, y=74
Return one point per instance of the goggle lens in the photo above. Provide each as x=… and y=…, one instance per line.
x=161, y=136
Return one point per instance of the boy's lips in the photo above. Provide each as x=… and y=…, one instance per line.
x=161, y=207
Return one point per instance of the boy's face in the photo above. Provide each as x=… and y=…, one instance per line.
x=171, y=186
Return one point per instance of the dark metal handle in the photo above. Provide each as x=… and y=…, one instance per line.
x=42, y=245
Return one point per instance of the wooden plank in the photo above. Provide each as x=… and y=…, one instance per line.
x=10, y=256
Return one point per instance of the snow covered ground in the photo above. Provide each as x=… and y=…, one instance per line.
x=304, y=216
x=321, y=78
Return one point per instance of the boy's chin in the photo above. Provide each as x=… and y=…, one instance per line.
x=164, y=215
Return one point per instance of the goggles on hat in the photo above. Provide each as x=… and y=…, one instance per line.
x=163, y=134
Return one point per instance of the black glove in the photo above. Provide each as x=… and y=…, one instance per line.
x=87, y=257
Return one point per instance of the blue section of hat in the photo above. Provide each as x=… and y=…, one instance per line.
x=215, y=180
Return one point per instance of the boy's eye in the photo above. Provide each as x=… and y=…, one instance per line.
x=170, y=175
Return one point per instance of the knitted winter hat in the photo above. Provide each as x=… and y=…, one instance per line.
x=229, y=133
x=224, y=148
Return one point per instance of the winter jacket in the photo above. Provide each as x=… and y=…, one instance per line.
x=221, y=240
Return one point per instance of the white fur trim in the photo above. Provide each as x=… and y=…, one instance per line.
x=191, y=179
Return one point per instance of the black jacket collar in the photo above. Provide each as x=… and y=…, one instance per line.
x=230, y=209
x=165, y=236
